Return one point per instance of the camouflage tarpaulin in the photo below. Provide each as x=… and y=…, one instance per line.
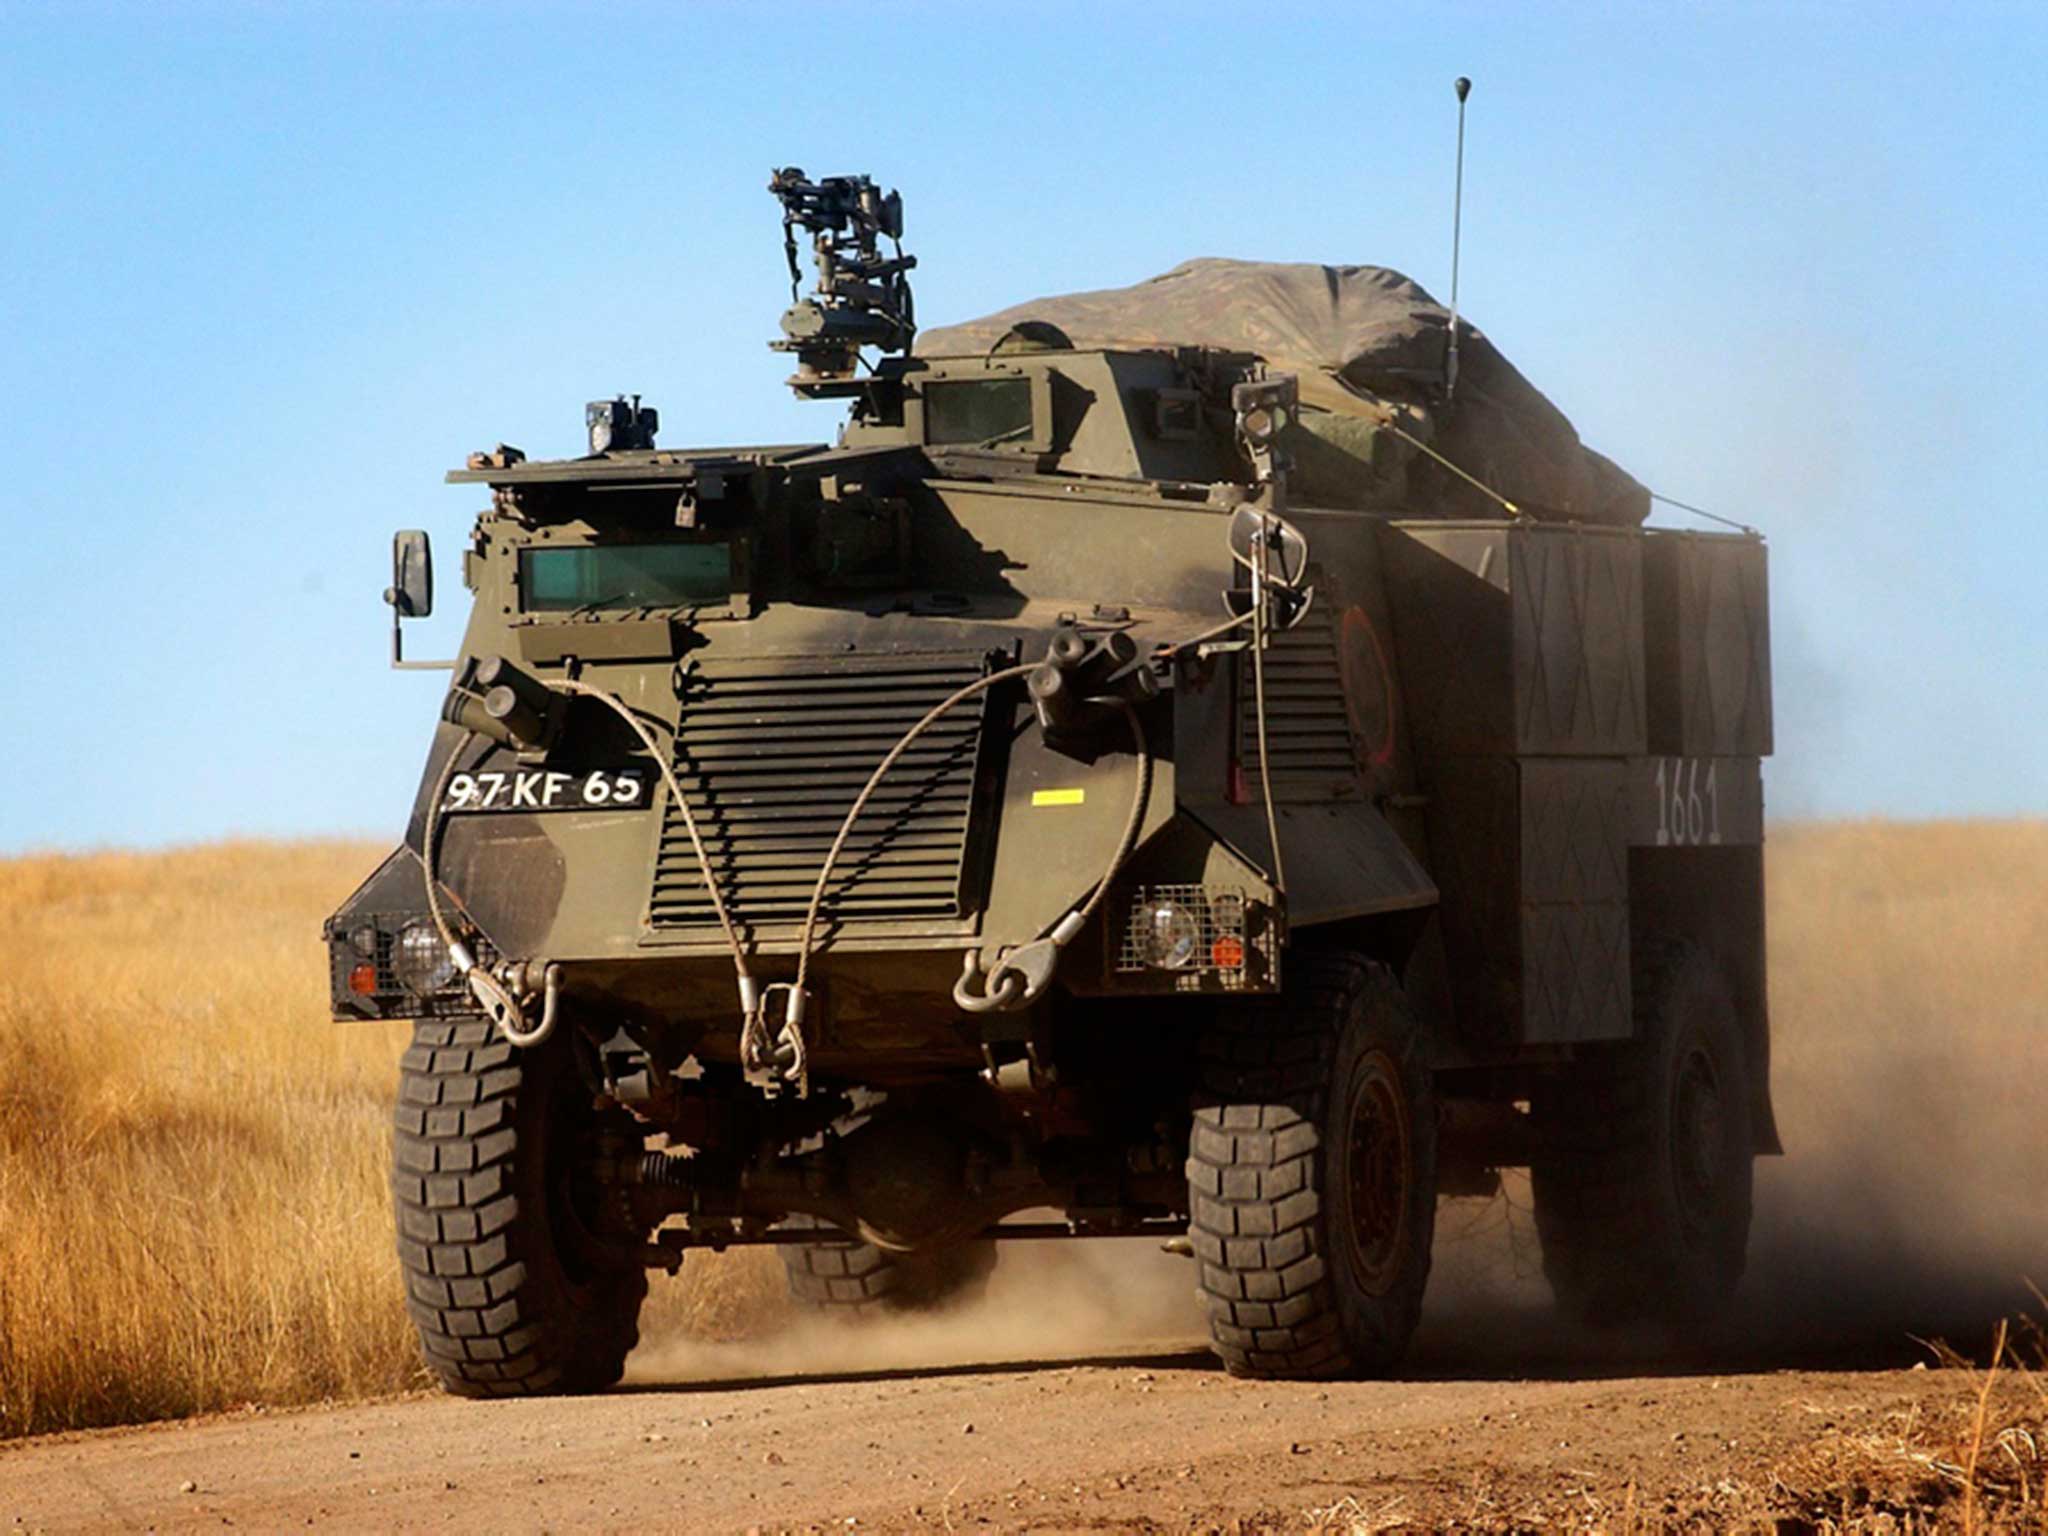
x=1366, y=342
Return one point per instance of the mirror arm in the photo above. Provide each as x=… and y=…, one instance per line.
x=398, y=661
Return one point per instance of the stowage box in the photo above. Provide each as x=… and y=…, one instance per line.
x=1707, y=644
x=1532, y=857
x=1519, y=639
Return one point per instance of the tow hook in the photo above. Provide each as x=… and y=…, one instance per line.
x=1020, y=977
x=787, y=1059
x=1000, y=992
x=500, y=999
x=789, y=1040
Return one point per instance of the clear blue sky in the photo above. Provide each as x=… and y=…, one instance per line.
x=267, y=270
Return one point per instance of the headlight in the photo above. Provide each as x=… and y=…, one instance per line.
x=1173, y=936
x=1206, y=938
x=420, y=960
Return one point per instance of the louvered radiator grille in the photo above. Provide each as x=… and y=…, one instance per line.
x=771, y=761
x=1307, y=725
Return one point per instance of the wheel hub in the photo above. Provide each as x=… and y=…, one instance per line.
x=576, y=1203
x=1379, y=1170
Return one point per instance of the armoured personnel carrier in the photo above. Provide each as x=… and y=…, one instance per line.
x=1101, y=794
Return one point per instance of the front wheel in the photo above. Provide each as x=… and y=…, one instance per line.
x=1312, y=1174
x=520, y=1278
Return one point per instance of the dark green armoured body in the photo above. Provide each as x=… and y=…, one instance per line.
x=1513, y=767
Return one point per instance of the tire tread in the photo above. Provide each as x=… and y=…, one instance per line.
x=1254, y=1174
x=487, y=1325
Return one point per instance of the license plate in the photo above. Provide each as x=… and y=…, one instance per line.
x=547, y=789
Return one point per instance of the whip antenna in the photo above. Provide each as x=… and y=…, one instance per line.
x=1464, y=88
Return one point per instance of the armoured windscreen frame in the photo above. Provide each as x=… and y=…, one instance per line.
x=732, y=597
x=918, y=413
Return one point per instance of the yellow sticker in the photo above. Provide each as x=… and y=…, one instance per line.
x=1059, y=796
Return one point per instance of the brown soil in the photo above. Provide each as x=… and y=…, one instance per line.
x=1147, y=1442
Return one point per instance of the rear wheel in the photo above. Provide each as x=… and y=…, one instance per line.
x=1643, y=1172
x=1312, y=1174
x=519, y=1275
x=855, y=1279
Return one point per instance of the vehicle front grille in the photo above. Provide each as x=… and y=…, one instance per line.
x=771, y=755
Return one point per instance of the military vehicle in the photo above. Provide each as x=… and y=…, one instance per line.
x=1146, y=777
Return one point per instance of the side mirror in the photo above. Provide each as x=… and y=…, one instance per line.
x=411, y=591
x=1275, y=555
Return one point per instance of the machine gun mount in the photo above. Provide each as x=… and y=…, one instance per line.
x=862, y=297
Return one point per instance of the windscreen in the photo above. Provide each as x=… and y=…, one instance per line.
x=600, y=576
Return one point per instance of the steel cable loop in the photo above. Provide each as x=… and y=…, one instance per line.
x=860, y=801
x=749, y=997
x=756, y=1049
x=492, y=995
x=1141, y=749
x=1009, y=983
x=496, y=998
x=427, y=841
x=1001, y=989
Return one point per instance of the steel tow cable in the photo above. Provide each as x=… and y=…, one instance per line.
x=794, y=1011
x=492, y=995
x=495, y=997
x=749, y=988
x=1012, y=981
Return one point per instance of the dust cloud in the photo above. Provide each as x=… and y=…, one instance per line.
x=1910, y=1009
x=1051, y=1300
x=1909, y=992
x=1909, y=1002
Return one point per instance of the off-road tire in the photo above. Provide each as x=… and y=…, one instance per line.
x=507, y=1298
x=1643, y=1168
x=860, y=1280
x=1294, y=1288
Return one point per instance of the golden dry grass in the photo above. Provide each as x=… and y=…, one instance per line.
x=193, y=1211
x=192, y=1159
x=1972, y=1461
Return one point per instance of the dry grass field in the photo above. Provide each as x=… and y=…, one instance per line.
x=192, y=1162
x=192, y=1159
x=193, y=1211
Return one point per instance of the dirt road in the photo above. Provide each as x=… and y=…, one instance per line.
x=1076, y=1395
x=1150, y=1440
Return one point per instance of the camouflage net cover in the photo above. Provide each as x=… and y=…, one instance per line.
x=1364, y=341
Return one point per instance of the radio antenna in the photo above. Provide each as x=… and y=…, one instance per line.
x=1464, y=88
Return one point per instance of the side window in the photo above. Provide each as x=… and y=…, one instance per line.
x=983, y=413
